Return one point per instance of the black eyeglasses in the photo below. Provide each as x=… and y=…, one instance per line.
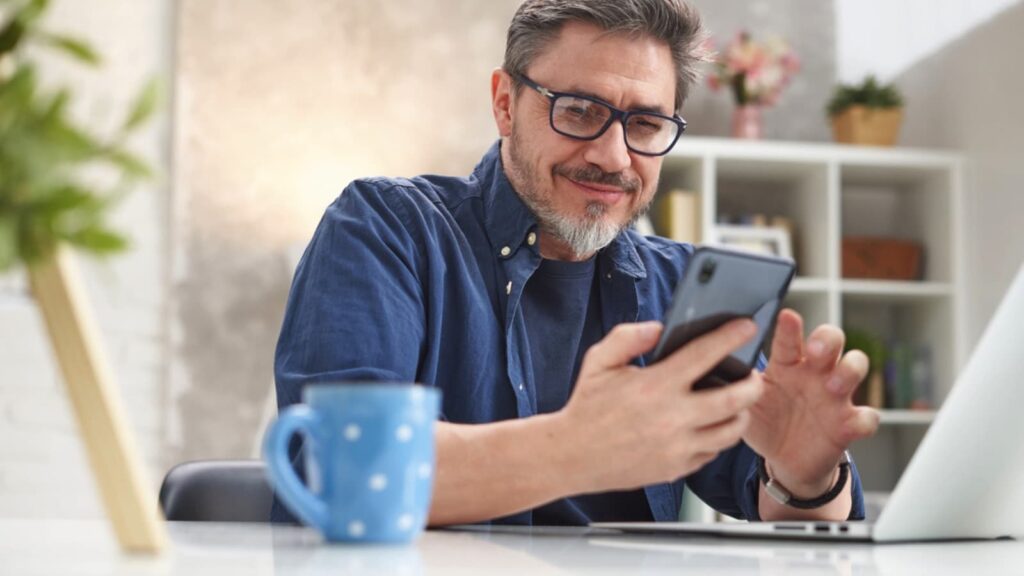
x=585, y=118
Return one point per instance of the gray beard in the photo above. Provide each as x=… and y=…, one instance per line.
x=583, y=236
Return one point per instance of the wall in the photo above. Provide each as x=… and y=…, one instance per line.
x=278, y=109
x=966, y=96
x=886, y=38
x=43, y=468
x=810, y=27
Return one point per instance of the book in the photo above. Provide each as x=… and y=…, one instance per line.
x=922, y=376
x=677, y=216
x=898, y=375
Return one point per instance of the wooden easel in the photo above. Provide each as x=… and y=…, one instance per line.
x=129, y=500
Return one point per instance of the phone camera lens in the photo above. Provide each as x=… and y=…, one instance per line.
x=707, y=270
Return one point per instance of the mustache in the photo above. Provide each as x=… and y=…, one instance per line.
x=594, y=175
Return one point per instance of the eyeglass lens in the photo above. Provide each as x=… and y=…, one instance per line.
x=582, y=118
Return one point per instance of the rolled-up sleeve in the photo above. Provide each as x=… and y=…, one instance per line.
x=355, y=310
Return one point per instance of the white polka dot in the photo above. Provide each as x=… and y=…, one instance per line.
x=424, y=470
x=353, y=432
x=404, y=433
x=378, y=482
x=405, y=522
x=356, y=529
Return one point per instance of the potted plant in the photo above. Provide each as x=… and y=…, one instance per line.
x=868, y=113
x=58, y=182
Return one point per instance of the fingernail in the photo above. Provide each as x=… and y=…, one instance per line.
x=815, y=348
x=747, y=328
x=649, y=329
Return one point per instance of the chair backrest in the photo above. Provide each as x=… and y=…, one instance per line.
x=217, y=491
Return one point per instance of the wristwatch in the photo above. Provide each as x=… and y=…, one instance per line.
x=783, y=496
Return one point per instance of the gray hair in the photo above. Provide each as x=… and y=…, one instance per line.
x=538, y=22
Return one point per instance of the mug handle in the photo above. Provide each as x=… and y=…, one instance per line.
x=299, y=499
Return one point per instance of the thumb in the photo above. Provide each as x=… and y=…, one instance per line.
x=622, y=344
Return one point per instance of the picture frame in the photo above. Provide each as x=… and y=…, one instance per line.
x=767, y=240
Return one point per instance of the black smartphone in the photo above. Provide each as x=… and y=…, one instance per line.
x=720, y=285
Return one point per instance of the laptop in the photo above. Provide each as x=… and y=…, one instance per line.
x=966, y=479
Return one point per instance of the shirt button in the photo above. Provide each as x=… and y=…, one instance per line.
x=532, y=238
x=508, y=287
x=608, y=276
x=506, y=251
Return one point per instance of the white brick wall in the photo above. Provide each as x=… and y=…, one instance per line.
x=43, y=468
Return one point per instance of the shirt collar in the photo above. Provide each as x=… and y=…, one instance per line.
x=510, y=222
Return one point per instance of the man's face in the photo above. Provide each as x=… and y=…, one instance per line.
x=584, y=192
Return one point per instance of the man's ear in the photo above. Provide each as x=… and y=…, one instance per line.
x=501, y=101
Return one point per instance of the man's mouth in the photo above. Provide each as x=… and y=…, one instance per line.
x=603, y=193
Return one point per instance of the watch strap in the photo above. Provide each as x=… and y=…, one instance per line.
x=783, y=496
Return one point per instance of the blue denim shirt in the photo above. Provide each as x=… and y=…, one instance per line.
x=421, y=279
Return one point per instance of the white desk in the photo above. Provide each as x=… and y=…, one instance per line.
x=29, y=547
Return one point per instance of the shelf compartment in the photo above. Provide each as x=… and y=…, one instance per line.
x=812, y=306
x=797, y=191
x=882, y=458
x=911, y=203
x=913, y=321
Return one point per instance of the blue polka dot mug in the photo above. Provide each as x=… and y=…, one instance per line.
x=369, y=456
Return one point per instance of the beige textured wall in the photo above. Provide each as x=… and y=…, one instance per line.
x=281, y=104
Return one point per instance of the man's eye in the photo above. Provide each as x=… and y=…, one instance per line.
x=646, y=125
x=578, y=111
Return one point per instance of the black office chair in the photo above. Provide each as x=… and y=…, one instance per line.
x=217, y=491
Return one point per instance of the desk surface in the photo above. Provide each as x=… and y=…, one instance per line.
x=30, y=547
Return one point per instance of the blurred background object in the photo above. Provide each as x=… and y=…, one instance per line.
x=755, y=73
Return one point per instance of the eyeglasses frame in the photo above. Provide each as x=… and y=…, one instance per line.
x=617, y=114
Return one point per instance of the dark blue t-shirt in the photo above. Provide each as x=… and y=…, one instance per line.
x=562, y=307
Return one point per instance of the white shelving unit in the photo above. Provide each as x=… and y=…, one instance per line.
x=830, y=191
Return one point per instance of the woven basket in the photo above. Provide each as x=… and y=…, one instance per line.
x=867, y=126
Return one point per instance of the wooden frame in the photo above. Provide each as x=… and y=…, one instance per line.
x=129, y=500
x=770, y=240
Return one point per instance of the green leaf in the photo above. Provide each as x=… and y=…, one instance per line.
x=131, y=165
x=68, y=198
x=78, y=49
x=145, y=104
x=868, y=93
x=31, y=12
x=43, y=150
x=8, y=242
x=98, y=240
x=11, y=36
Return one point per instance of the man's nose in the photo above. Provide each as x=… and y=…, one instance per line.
x=609, y=151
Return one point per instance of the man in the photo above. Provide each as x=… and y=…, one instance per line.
x=522, y=293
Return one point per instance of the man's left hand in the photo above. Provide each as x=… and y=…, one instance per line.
x=806, y=417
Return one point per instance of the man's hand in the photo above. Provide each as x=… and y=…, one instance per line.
x=631, y=426
x=806, y=417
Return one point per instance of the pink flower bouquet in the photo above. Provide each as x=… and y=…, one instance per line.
x=755, y=72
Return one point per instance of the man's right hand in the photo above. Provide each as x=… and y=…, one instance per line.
x=628, y=426
x=623, y=427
